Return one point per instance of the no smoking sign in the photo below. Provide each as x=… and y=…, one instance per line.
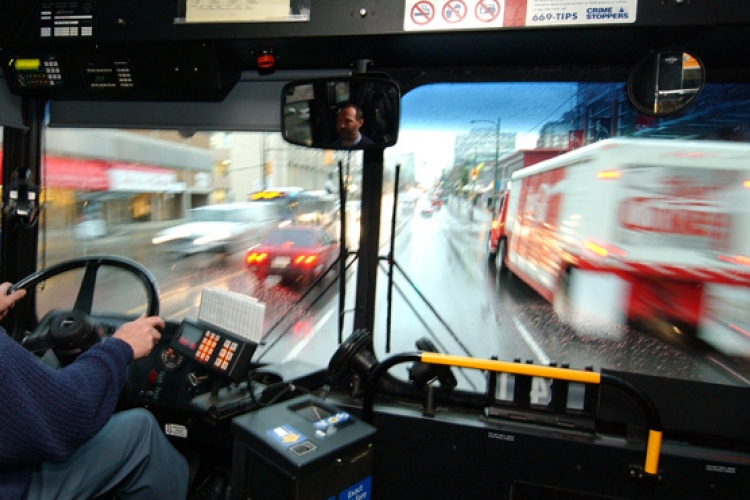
x=422, y=13
x=454, y=14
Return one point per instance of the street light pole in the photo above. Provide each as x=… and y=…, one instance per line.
x=497, y=160
x=497, y=157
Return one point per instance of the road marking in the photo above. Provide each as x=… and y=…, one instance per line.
x=525, y=334
x=308, y=338
x=529, y=339
x=729, y=369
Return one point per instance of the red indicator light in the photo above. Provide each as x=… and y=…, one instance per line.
x=266, y=61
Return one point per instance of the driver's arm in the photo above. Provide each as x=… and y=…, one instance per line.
x=141, y=335
x=47, y=414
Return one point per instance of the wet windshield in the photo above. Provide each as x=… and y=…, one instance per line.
x=215, y=216
x=632, y=255
x=290, y=238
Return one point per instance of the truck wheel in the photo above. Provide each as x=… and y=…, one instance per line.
x=500, y=255
x=561, y=299
x=491, y=254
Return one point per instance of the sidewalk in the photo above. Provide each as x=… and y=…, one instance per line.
x=462, y=210
x=122, y=230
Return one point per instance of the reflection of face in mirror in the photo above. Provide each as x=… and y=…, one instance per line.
x=349, y=121
x=664, y=83
x=341, y=113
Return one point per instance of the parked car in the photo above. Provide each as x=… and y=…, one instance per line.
x=219, y=229
x=298, y=254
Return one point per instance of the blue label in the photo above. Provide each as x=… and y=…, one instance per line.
x=338, y=420
x=360, y=491
x=286, y=435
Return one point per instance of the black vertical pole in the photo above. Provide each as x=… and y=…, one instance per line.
x=344, y=251
x=391, y=261
x=22, y=151
x=367, y=270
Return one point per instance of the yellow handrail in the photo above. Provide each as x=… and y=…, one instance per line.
x=653, y=444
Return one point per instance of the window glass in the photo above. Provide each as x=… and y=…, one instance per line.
x=624, y=243
x=620, y=246
x=290, y=238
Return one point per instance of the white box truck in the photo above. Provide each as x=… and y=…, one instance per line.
x=636, y=230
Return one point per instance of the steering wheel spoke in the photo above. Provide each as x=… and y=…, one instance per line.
x=85, y=298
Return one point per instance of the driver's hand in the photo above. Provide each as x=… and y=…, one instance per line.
x=141, y=334
x=8, y=301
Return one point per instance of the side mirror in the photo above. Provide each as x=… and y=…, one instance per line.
x=341, y=113
x=666, y=82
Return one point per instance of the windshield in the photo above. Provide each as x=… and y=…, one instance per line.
x=207, y=215
x=631, y=256
x=290, y=238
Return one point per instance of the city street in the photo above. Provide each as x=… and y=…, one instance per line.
x=443, y=290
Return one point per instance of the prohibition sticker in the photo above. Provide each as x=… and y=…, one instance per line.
x=454, y=11
x=422, y=12
x=420, y=15
x=488, y=10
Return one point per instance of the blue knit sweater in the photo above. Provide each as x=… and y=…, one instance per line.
x=47, y=414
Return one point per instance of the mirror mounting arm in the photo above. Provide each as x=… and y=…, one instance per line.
x=361, y=65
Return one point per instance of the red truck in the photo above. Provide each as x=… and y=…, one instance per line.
x=633, y=230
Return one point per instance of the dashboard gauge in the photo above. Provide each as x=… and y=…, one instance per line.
x=171, y=360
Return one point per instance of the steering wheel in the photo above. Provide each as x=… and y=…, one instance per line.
x=70, y=332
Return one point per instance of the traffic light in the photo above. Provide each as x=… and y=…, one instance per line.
x=269, y=168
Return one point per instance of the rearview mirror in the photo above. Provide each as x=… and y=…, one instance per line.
x=341, y=113
x=666, y=82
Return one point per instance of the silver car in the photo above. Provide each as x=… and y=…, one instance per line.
x=219, y=229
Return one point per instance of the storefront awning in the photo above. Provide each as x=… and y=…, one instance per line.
x=86, y=175
x=102, y=175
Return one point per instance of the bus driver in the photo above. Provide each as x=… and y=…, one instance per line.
x=349, y=121
x=59, y=437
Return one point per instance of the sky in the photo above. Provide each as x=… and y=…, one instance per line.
x=433, y=152
x=432, y=116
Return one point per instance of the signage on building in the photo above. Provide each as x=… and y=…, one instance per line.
x=140, y=179
x=202, y=179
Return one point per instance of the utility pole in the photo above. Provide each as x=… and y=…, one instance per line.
x=497, y=160
x=497, y=124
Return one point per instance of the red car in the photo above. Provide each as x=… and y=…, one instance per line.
x=298, y=254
